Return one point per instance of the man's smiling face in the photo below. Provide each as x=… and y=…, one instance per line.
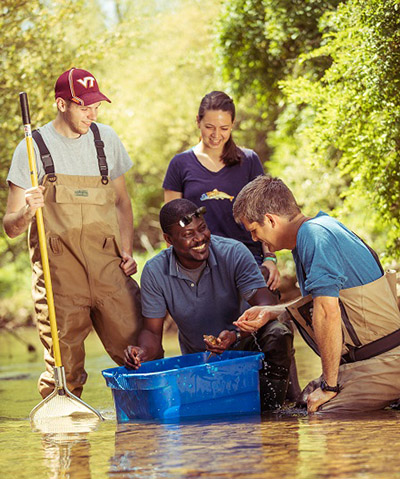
x=267, y=233
x=190, y=243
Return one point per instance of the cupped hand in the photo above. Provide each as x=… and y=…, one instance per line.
x=134, y=356
x=225, y=339
x=254, y=318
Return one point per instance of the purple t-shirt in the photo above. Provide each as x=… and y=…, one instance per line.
x=216, y=191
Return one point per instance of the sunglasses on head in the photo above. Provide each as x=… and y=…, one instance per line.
x=187, y=219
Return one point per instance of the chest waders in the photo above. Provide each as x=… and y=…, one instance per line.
x=90, y=288
x=370, y=363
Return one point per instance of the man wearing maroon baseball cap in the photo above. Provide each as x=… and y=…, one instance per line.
x=79, y=86
x=89, y=226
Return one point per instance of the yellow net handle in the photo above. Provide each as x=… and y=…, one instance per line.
x=41, y=231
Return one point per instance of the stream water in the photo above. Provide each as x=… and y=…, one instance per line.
x=279, y=445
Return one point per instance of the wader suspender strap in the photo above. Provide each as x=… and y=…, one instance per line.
x=101, y=156
x=375, y=348
x=379, y=346
x=47, y=160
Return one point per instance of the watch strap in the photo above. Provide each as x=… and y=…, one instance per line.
x=325, y=387
x=238, y=338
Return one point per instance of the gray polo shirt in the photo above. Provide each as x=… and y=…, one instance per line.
x=211, y=305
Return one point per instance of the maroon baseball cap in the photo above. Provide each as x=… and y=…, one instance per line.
x=79, y=86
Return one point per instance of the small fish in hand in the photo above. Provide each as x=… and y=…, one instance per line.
x=213, y=340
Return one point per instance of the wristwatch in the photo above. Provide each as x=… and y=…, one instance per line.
x=238, y=338
x=325, y=387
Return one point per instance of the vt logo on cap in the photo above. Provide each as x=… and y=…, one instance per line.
x=79, y=86
x=87, y=82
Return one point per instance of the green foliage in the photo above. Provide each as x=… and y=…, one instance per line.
x=326, y=79
x=15, y=283
x=14, y=268
x=356, y=106
x=260, y=41
x=156, y=85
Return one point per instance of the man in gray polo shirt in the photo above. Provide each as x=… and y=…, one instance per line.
x=202, y=281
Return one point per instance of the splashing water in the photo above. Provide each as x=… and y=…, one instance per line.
x=268, y=394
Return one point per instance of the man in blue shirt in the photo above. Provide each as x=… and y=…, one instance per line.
x=348, y=315
x=201, y=281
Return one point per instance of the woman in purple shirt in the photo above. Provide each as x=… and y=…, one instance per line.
x=213, y=172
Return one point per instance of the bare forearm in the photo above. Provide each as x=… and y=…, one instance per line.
x=275, y=310
x=328, y=333
x=125, y=222
x=264, y=297
x=151, y=343
x=124, y=215
x=17, y=223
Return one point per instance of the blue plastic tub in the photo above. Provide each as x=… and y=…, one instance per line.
x=187, y=387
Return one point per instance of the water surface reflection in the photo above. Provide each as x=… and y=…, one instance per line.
x=285, y=445
x=67, y=456
x=275, y=446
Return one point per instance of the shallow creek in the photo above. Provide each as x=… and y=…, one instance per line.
x=279, y=445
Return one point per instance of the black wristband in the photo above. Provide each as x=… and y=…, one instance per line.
x=238, y=338
x=325, y=387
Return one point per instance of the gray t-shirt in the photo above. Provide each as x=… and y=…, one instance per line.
x=71, y=156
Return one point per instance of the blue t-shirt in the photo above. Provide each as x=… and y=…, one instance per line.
x=211, y=305
x=216, y=191
x=329, y=257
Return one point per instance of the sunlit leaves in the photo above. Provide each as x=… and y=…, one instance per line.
x=357, y=104
x=334, y=70
x=157, y=87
